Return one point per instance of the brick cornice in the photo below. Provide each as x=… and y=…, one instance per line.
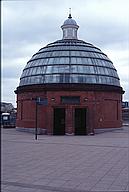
x=68, y=87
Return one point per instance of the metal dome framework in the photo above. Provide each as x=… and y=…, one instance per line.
x=69, y=61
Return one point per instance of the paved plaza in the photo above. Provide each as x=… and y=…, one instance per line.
x=65, y=163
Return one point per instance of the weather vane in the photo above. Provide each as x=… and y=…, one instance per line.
x=69, y=13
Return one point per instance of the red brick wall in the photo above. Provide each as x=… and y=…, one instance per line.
x=104, y=109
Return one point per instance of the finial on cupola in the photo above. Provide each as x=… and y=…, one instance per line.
x=69, y=14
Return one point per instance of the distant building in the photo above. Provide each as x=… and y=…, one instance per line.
x=6, y=107
x=8, y=115
x=72, y=86
x=125, y=111
x=125, y=104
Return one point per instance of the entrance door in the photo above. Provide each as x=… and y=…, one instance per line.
x=59, y=121
x=80, y=121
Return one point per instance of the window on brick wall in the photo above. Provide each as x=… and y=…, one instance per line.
x=70, y=100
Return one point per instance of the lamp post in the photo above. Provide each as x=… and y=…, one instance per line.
x=36, y=117
x=38, y=101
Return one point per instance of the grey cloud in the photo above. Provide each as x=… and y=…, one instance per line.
x=104, y=34
x=29, y=23
x=12, y=72
x=28, y=32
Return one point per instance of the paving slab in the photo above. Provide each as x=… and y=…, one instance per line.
x=65, y=163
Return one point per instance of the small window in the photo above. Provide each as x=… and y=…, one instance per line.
x=70, y=100
x=5, y=117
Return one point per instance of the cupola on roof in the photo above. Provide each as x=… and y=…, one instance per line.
x=69, y=60
x=70, y=28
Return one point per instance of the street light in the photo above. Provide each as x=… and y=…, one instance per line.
x=38, y=101
x=36, y=117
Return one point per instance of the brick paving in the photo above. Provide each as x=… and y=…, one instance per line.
x=65, y=163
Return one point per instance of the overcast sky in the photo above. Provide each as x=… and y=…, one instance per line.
x=29, y=25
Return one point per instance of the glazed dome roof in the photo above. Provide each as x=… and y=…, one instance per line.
x=69, y=61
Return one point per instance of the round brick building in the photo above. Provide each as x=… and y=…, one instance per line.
x=69, y=87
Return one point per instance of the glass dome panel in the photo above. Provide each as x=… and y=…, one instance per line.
x=69, y=61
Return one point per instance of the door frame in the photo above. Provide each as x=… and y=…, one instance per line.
x=86, y=119
x=54, y=108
